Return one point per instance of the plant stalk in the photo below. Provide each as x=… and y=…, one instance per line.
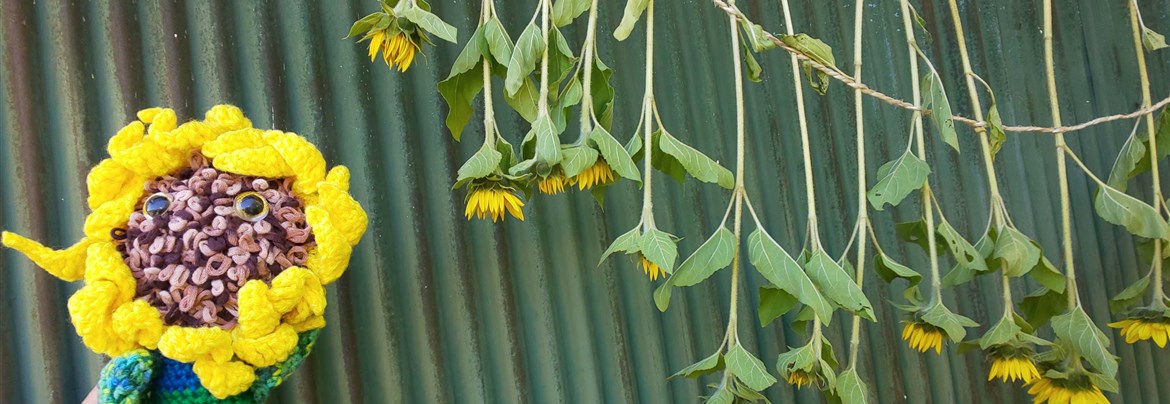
x=862, y=208
x=927, y=207
x=1061, y=165
x=647, y=103
x=587, y=65
x=1134, y=18
x=988, y=160
x=738, y=192
x=489, y=113
x=542, y=104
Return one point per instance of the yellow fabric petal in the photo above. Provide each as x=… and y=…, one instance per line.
x=110, y=215
x=332, y=253
x=67, y=265
x=226, y=118
x=224, y=379
x=105, y=264
x=186, y=344
x=265, y=350
x=108, y=180
x=257, y=317
x=306, y=161
x=139, y=323
x=91, y=309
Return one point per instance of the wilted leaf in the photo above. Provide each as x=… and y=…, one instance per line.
x=630, y=16
x=935, y=98
x=700, y=166
x=1130, y=296
x=784, y=272
x=715, y=253
x=955, y=325
x=1138, y=217
x=897, y=179
x=1152, y=40
x=708, y=365
x=431, y=23
x=837, y=285
x=615, y=155
x=482, y=163
x=1086, y=339
x=528, y=50
x=1018, y=252
x=564, y=11
x=747, y=368
x=774, y=302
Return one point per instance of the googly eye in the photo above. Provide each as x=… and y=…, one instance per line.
x=251, y=206
x=156, y=204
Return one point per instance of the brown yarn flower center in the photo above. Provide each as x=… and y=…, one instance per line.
x=190, y=259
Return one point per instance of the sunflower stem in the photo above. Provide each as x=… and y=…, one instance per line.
x=927, y=208
x=489, y=113
x=647, y=103
x=587, y=65
x=739, y=191
x=542, y=104
x=862, y=208
x=1135, y=21
x=1061, y=165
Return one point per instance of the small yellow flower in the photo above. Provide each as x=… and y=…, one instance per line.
x=1015, y=367
x=1065, y=391
x=923, y=336
x=651, y=269
x=800, y=378
x=398, y=49
x=1138, y=329
x=553, y=184
x=596, y=175
x=493, y=201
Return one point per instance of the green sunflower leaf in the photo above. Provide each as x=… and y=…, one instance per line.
x=716, y=253
x=1019, y=253
x=1134, y=157
x=1130, y=296
x=364, y=24
x=561, y=60
x=431, y=23
x=1046, y=274
x=1002, y=332
x=528, y=50
x=615, y=155
x=785, y=273
x=897, y=179
x=708, y=365
x=626, y=243
x=1086, y=339
x=723, y=393
x=1040, y=306
x=565, y=11
x=850, y=388
x=524, y=101
x=774, y=302
x=1139, y=218
x=965, y=253
x=915, y=232
x=481, y=164
x=837, y=285
x=802, y=358
x=889, y=270
x=815, y=50
x=1152, y=40
x=577, y=159
x=747, y=368
x=659, y=247
x=496, y=42
x=995, y=132
x=462, y=85
x=955, y=325
x=754, y=70
x=700, y=166
x=940, y=109
x=758, y=37
x=603, y=92
x=630, y=16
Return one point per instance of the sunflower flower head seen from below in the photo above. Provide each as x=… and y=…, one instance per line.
x=1076, y=388
x=597, y=174
x=553, y=184
x=1009, y=363
x=800, y=378
x=651, y=269
x=399, y=30
x=1154, y=327
x=487, y=198
x=923, y=336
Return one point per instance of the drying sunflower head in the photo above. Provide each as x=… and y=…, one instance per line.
x=399, y=31
x=205, y=256
x=1144, y=324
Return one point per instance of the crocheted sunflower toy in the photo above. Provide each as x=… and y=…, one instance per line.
x=205, y=257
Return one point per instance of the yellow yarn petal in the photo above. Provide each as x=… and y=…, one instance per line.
x=258, y=162
x=224, y=379
x=344, y=212
x=105, y=264
x=67, y=265
x=307, y=163
x=91, y=310
x=312, y=323
x=235, y=140
x=265, y=350
x=186, y=344
x=331, y=256
x=140, y=323
x=227, y=117
x=161, y=121
x=257, y=316
x=110, y=215
x=108, y=180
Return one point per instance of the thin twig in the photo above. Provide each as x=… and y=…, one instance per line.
x=854, y=84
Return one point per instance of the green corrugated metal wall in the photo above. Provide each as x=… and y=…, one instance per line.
x=437, y=309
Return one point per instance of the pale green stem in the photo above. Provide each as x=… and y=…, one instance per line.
x=927, y=208
x=1061, y=165
x=489, y=114
x=542, y=104
x=1134, y=17
x=806, y=150
x=862, y=208
x=587, y=64
x=647, y=134
x=738, y=192
x=988, y=160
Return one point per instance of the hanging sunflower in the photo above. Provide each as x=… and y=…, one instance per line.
x=1153, y=325
x=399, y=31
x=205, y=256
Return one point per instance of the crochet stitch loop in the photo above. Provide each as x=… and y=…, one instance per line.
x=272, y=317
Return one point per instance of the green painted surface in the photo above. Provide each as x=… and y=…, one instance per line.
x=437, y=309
